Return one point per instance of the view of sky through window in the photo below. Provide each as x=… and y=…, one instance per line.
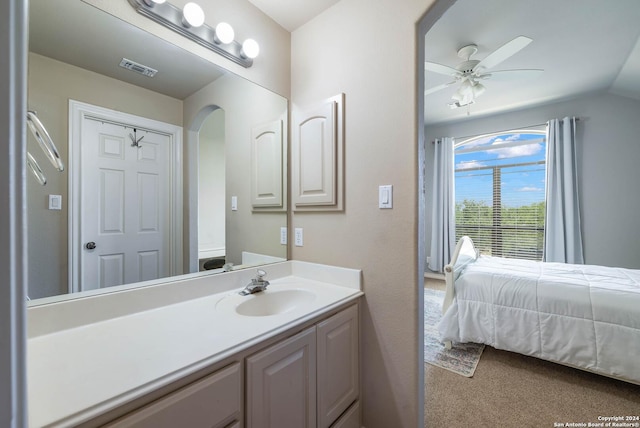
x=519, y=154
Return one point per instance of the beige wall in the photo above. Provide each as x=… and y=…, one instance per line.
x=368, y=51
x=51, y=84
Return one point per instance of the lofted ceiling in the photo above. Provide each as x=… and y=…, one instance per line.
x=291, y=14
x=582, y=45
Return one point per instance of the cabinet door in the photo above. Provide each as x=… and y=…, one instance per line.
x=317, y=165
x=350, y=419
x=338, y=380
x=212, y=402
x=281, y=384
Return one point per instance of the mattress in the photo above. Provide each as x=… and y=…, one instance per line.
x=581, y=315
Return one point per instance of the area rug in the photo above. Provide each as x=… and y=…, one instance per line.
x=462, y=358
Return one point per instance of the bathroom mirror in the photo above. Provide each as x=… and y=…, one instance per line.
x=75, y=51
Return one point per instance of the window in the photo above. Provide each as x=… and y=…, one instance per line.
x=500, y=192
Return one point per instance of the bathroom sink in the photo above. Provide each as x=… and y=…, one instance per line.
x=268, y=302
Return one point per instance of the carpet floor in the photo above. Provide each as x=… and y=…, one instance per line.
x=513, y=390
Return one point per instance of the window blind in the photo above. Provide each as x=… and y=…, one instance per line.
x=499, y=187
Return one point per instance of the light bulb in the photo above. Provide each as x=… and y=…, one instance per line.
x=193, y=15
x=250, y=48
x=224, y=33
x=152, y=3
x=158, y=1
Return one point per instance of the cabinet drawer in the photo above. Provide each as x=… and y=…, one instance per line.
x=215, y=401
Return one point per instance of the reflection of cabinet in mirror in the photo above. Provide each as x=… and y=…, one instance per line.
x=266, y=166
x=317, y=153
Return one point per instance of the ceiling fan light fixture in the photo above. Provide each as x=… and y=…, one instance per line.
x=478, y=89
x=470, y=71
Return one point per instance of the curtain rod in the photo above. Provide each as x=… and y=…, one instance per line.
x=505, y=130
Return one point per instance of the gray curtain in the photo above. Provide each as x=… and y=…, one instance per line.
x=562, y=237
x=443, y=234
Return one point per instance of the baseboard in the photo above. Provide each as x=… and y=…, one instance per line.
x=434, y=275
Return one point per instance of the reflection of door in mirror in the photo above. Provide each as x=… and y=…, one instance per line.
x=124, y=199
x=211, y=191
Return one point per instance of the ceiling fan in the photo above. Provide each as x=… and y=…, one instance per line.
x=470, y=72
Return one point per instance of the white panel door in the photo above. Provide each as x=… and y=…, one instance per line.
x=124, y=201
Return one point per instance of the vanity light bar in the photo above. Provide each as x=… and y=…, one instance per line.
x=172, y=17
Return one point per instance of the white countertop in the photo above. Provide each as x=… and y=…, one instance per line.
x=77, y=372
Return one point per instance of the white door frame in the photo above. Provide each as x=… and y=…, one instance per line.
x=78, y=112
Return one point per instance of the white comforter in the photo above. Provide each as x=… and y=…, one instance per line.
x=581, y=315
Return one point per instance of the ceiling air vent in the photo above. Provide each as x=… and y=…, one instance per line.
x=138, y=68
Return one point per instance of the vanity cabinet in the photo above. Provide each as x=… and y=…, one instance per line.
x=308, y=380
x=212, y=402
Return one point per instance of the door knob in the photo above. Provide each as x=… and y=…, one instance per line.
x=90, y=245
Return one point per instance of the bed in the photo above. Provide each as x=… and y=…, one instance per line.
x=583, y=316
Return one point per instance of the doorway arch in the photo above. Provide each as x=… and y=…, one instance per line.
x=192, y=185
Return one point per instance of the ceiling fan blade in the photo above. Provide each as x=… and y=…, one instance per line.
x=441, y=69
x=438, y=88
x=508, y=75
x=502, y=53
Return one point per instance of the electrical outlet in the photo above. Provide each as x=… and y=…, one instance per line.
x=283, y=235
x=298, y=237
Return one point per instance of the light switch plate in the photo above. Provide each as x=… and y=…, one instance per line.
x=385, y=196
x=55, y=202
x=234, y=203
x=283, y=235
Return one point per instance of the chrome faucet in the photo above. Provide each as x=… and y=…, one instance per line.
x=257, y=284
